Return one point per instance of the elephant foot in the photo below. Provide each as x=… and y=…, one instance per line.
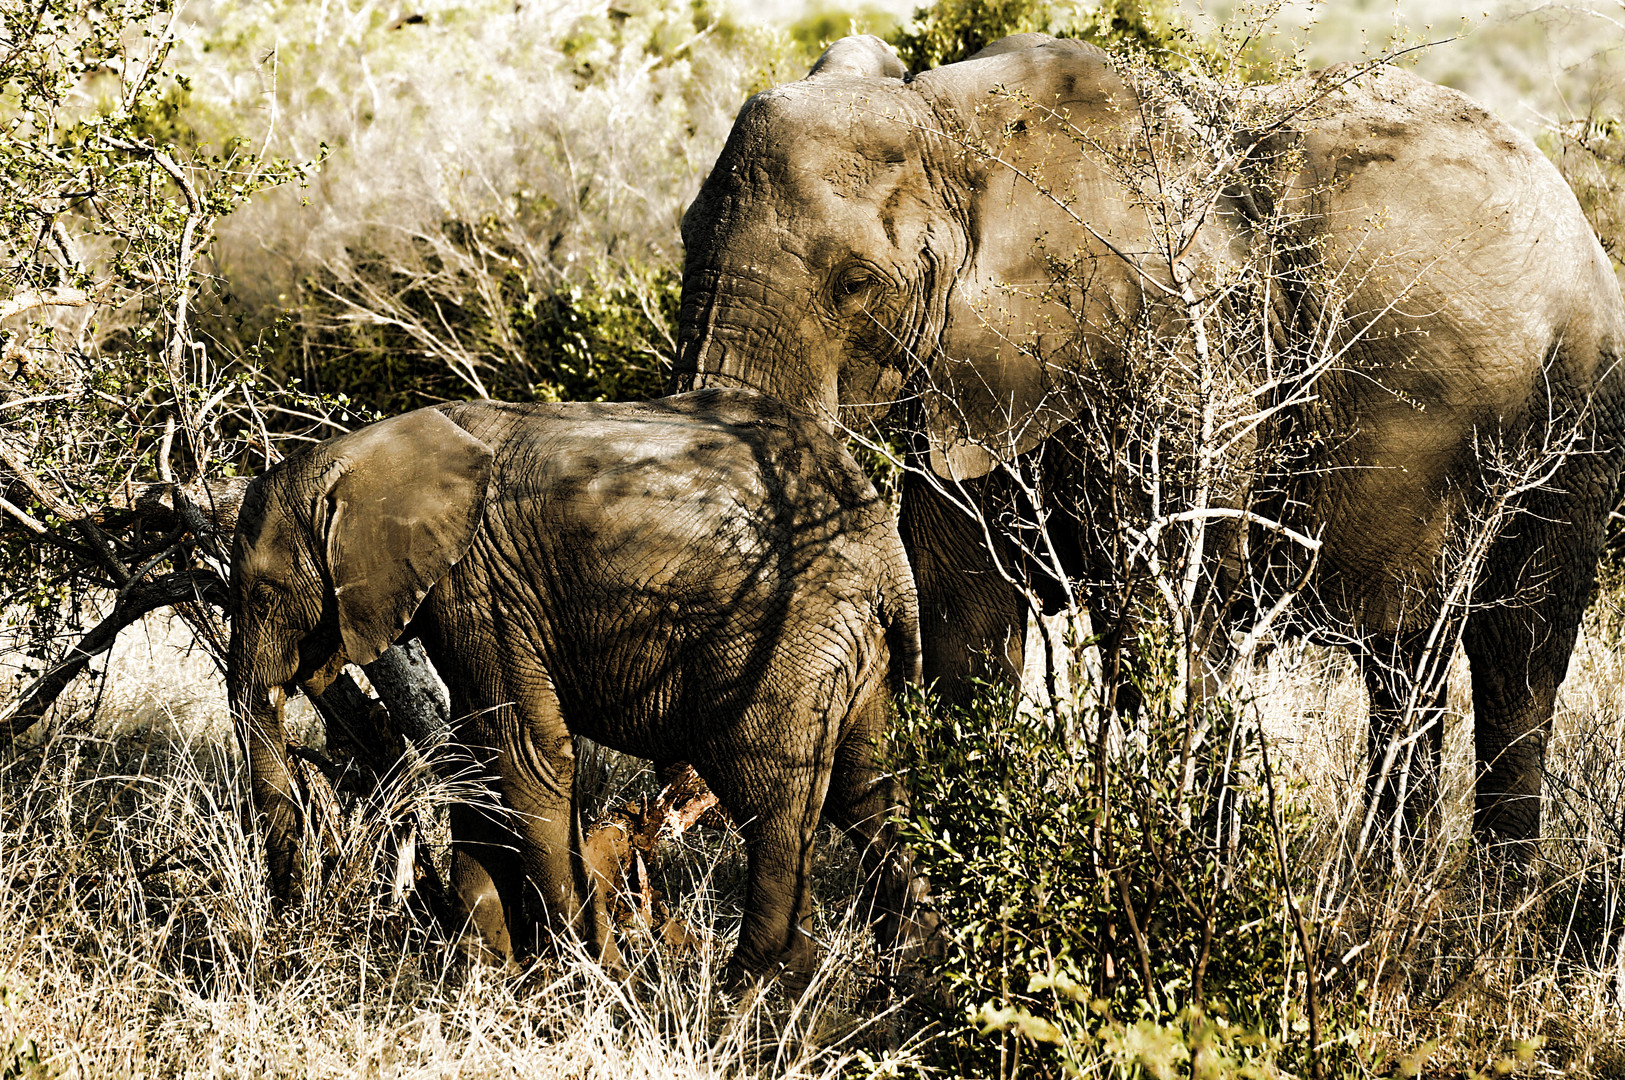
x=750, y=981
x=473, y=952
x=1507, y=817
x=1517, y=851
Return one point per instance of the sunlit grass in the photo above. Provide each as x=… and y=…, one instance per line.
x=138, y=938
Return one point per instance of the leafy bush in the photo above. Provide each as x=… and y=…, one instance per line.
x=1118, y=890
x=951, y=30
x=455, y=323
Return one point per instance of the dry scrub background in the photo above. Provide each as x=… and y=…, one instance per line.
x=486, y=158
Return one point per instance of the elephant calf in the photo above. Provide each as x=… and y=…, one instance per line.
x=704, y=577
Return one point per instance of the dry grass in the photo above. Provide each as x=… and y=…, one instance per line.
x=137, y=937
x=1468, y=963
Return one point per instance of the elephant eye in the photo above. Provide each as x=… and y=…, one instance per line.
x=854, y=289
x=261, y=596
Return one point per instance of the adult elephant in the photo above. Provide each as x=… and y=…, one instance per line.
x=706, y=578
x=867, y=237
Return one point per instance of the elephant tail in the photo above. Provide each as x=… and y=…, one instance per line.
x=900, y=614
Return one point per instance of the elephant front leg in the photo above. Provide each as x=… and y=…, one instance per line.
x=483, y=853
x=552, y=894
x=972, y=619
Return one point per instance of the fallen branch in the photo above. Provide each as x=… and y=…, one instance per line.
x=619, y=851
x=163, y=506
x=166, y=591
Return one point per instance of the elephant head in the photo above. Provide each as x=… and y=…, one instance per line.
x=335, y=549
x=860, y=227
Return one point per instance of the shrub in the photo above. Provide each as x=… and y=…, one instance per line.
x=951, y=30
x=111, y=203
x=499, y=213
x=1119, y=890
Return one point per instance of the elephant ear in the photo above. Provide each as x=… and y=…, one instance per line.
x=1005, y=376
x=402, y=503
x=863, y=56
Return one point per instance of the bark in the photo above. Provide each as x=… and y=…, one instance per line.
x=412, y=692
x=414, y=708
x=201, y=505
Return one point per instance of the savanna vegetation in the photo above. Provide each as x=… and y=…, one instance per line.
x=236, y=226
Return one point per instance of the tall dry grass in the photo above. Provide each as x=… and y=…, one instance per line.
x=138, y=939
x=1471, y=962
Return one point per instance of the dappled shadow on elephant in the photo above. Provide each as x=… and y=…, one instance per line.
x=1433, y=356
x=704, y=578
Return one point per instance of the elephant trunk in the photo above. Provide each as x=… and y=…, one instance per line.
x=902, y=616
x=257, y=713
x=739, y=331
x=908, y=920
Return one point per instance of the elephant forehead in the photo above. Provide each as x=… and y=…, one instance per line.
x=800, y=184
x=260, y=549
x=877, y=125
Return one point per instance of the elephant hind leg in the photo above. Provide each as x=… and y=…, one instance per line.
x=775, y=788
x=1518, y=645
x=1521, y=632
x=1517, y=659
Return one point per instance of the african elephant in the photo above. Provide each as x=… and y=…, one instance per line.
x=707, y=578
x=868, y=238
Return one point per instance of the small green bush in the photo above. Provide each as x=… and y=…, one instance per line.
x=510, y=333
x=951, y=30
x=1116, y=887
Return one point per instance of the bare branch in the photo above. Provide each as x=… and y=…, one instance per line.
x=42, y=693
x=28, y=300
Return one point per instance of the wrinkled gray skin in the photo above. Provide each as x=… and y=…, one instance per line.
x=844, y=252
x=705, y=578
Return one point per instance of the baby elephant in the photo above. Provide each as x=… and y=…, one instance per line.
x=705, y=578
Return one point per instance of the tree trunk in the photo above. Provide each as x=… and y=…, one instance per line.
x=412, y=692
